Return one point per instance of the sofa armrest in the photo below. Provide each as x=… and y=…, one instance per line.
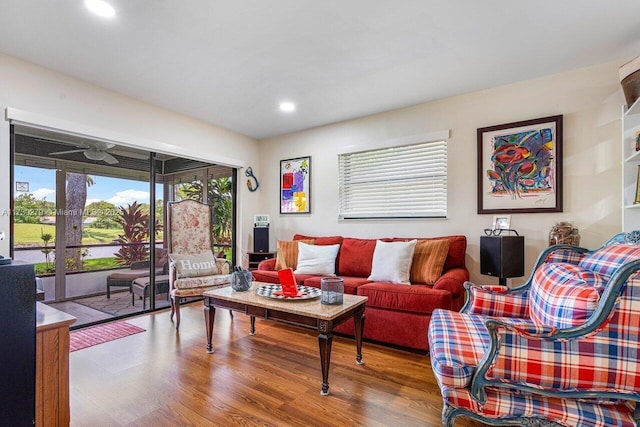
x=452, y=280
x=267, y=264
x=496, y=301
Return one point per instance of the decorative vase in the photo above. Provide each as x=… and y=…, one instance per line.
x=241, y=279
x=564, y=233
x=332, y=290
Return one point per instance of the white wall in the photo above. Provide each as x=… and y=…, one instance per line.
x=75, y=103
x=590, y=100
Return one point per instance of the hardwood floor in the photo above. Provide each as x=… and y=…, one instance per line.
x=163, y=378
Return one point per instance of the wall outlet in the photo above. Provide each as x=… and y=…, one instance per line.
x=1, y=235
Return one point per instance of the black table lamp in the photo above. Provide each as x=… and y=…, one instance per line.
x=502, y=257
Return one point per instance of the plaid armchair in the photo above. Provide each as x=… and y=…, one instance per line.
x=562, y=349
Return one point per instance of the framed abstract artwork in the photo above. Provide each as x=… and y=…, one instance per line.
x=520, y=167
x=295, y=185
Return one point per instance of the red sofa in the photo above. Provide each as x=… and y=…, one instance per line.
x=395, y=314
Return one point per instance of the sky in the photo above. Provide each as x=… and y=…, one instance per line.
x=120, y=192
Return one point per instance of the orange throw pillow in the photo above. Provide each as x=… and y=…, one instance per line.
x=428, y=260
x=287, y=253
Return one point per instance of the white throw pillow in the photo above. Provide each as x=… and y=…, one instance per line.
x=392, y=262
x=316, y=259
x=195, y=265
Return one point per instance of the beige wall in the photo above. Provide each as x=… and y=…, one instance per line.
x=80, y=105
x=590, y=100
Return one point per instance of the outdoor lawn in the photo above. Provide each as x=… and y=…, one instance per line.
x=29, y=234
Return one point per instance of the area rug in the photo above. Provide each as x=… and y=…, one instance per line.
x=88, y=337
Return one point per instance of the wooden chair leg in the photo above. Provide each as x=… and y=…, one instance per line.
x=173, y=309
x=231, y=314
x=176, y=303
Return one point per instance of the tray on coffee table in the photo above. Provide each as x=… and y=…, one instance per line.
x=274, y=291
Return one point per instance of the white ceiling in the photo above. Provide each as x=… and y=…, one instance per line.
x=231, y=62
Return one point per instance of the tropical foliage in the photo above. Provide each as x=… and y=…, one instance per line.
x=135, y=226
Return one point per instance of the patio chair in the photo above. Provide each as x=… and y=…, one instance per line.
x=137, y=269
x=193, y=269
x=561, y=349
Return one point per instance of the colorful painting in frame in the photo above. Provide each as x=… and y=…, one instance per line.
x=520, y=167
x=295, y=185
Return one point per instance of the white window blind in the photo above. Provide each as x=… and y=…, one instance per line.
x=397, y=182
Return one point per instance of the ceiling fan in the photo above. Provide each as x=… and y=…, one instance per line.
x=99, y=151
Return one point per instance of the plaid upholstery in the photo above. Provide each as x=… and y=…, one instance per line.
x=607, y=260
x=563, y=295
x=564, y=255
x=567, y=412
x=493, y=301
x=457, y=342
x=604, y=362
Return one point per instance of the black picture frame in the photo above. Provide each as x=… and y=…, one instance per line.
x=520, y=167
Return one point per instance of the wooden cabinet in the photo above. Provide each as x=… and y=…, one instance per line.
x=256, y=257
x=630, y=167
x=52, y=366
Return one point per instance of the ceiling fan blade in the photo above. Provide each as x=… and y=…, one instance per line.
x=130, y=154
x=108, y=158
x=101, y=145
x=66, y=152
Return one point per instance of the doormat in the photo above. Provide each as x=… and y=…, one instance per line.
x=95, y=335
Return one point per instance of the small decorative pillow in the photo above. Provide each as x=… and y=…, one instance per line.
x=392, y=262
x=195, y=265
x=428, y=260
x=563, y=295
x=315, y=259
x=287, y=253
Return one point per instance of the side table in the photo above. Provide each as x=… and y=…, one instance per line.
x=256, y=258
x=140, y=287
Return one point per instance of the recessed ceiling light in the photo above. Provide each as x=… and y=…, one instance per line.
x=100, y=8
x=287, y=107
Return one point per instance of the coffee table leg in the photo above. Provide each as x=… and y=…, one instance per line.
x=358, y=320
x=252, y=331
x=209, y=317
x=325, y=340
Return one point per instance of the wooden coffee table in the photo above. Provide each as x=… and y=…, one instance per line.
x=306, y=313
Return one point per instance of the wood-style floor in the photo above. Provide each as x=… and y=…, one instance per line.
x=163, y=378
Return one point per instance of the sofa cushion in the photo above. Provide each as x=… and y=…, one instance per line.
x=428, y=260
x=321, y=241
x=392, y=262
x=195, y=265
x=351, y=284
x=457, y=249
x=355, y=257
x=287, y=253
x=607, y=260
x=316, y=259
x=563, y=295
x=416, y=299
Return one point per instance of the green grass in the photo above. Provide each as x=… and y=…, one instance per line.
x=89, y=264
x=29, y=234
